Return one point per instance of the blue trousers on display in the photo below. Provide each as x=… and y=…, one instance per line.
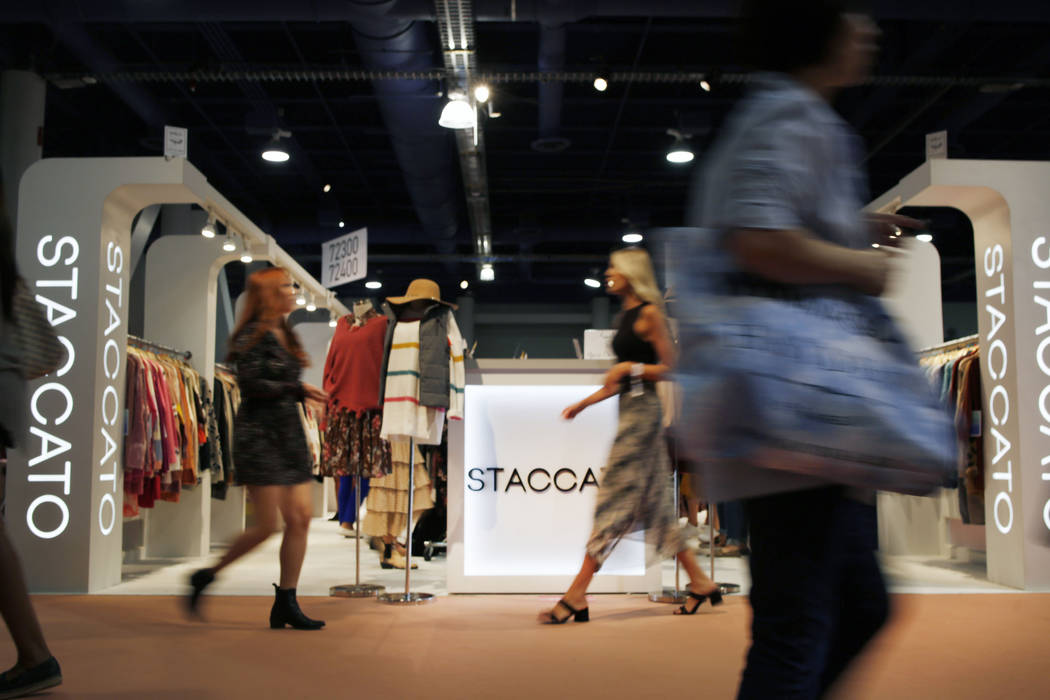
x=732, y=522
x=817, y=593
x=345, y=498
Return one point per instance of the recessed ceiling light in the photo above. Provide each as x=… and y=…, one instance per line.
x=593, y=283
x=326, y=188
x=464, y=284
x=705, y=86
x=632, y=238
x=374, y=284
x=342, y=224
x=601, y=84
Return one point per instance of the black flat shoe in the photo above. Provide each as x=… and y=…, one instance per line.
x=549, y=618
x=715, y=597
x=200, y=580
x=31, y=680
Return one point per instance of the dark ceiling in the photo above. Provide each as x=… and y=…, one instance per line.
x=231, y=72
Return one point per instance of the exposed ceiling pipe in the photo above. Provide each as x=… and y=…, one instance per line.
x=549, y=11
x=420, y=145
x=551, y=60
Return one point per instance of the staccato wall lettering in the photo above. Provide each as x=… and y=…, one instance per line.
x=112, y=359
x=999, y=398
x=52, y=404
x=539, y=480
x=1041, y=259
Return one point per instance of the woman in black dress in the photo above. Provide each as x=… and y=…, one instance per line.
x=636, y=491
x=269, y=445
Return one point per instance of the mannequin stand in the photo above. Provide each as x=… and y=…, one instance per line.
x=672, y=595
x=408, y=597
x=356, y=589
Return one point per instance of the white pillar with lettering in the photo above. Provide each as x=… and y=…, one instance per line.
x=65, y=482
x=1008, y=203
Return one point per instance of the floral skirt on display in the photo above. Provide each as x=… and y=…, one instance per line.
x=352, y=445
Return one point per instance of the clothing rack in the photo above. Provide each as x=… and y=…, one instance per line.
x=956, y=344
x=144, y=344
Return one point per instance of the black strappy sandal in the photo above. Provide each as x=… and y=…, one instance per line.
x=581, y=615
x=715, y=596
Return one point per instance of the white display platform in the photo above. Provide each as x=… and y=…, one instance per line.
x=522, y=482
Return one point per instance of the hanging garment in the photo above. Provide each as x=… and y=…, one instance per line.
x=353, y=378
x=387, y=502
x=402, y=414
x=352, y=445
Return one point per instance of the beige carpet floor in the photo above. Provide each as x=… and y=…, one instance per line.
x=139, y=647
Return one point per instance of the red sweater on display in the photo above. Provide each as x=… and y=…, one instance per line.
x=354, y=365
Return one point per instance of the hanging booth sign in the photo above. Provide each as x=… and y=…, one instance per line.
x=345, y=259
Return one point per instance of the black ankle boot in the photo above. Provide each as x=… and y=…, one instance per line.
x=285, y=611
x=200, y=580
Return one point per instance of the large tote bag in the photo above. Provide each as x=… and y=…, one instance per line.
x=787, y=387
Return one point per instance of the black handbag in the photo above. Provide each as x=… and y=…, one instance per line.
x=41, y=351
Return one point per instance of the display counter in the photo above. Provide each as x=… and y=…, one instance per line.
x=522, y=482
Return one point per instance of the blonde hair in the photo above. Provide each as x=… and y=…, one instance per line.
x=636, y=265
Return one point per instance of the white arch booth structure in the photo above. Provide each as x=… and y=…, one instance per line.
x=1008, y=203
x=65, y=485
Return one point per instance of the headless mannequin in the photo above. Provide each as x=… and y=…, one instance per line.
x=412, y=311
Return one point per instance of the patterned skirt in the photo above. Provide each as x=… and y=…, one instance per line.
x=636, y=489
x=387, y=502
x=352, y=445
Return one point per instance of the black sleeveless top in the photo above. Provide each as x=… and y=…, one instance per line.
x=626, y=343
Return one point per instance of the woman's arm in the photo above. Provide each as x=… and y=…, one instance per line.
x=597, y=397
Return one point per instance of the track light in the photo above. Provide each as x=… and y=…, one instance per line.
x=326, y=189
x=705, y=86
x=680, y=151
x=924, y=237
x=311, y=306
x=275, y=151
x=457, y=114
x=229, y=245
x=208, y=230
x=592, y=283
x=601, y=83
x=300, y=300
x=482, y=93
x=464, y=284
x=633, y=237
x=333, y=322
x=246, y=257
x=374, y=284
x=342, y=224
x=488, y=274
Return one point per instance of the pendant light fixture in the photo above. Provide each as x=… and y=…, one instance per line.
x=680, y=151
x=457, y=113
x=275, y=152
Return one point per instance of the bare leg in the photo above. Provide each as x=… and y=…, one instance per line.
x=17, y=609
x=265, y=499
x=694, y=511
x=295, y=505
x=699, y=582
x=576, y=596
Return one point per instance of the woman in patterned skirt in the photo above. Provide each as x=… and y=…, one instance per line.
x=636, y=490
x=269, y=445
